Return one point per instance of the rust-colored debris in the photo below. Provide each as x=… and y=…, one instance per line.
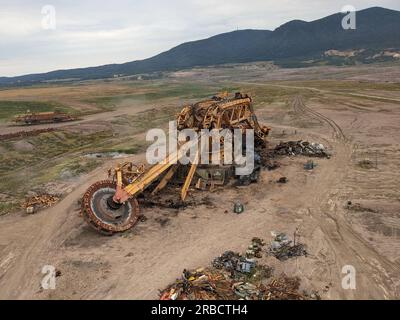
x=30, y=118
x=40, y=201
x=233, y=276
x=283, y=288
x=129, y=181
x=24, y=134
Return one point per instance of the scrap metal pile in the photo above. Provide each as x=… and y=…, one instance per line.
x=40, y=201
x=283, y=248
x=268, y=156
x=233, y=276
x=305, y=148
x=30, y=118
x=111, y=205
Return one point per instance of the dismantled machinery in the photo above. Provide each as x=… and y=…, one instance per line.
x=30, y=118
x=111, y=205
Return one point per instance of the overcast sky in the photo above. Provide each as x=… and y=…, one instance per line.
x=96, y=32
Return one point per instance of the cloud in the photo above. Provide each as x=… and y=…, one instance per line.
x=95, y=32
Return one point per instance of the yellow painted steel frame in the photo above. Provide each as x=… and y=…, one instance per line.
x=189, y=177
x=231, y=112
x=119, y=177
x=123, y=194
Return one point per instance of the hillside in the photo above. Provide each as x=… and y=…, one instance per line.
x=378, y=30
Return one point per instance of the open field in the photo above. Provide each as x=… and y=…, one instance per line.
x=353, y=111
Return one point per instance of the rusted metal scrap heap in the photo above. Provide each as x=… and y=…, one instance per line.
x=222, y=112
x=30, y=118
x=111, y=206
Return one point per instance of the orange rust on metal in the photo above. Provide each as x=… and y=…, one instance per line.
x=42, y=117
x=220, y=112
x=153, y=173
x=94, y=220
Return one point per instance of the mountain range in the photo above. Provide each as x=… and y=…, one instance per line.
x=376, y=37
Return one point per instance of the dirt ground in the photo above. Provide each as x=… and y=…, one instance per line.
x=355, y=126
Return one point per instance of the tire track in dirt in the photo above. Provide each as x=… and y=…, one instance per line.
x=379, y=273
x=36, y=238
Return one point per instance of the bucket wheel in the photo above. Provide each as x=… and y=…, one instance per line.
x=103, y=214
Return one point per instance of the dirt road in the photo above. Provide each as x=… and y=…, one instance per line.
x=328, y=213
x=138, y=263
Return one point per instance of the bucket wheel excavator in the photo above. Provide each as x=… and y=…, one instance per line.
x=111, y=206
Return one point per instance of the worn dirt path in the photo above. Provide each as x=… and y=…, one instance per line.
x=380, y=276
